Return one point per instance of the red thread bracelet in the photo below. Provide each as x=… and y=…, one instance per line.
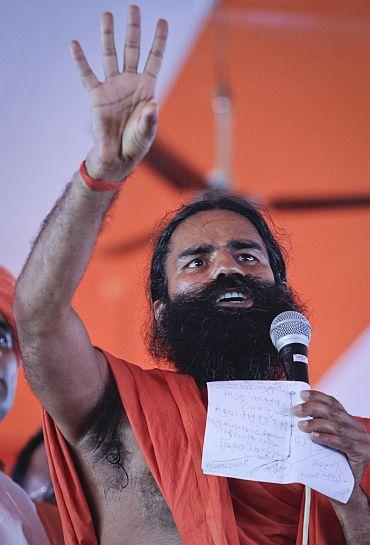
x=98, y=185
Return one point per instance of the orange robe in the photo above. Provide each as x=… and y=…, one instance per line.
x=50, y=519
x=167, y=414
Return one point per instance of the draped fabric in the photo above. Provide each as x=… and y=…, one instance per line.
x=50, y=519
x=167, y=414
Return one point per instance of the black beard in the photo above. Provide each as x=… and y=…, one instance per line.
x=210, y=342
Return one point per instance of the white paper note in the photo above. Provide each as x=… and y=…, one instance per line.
x=251, y=433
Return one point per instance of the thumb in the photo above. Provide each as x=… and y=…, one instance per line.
x=148, y=120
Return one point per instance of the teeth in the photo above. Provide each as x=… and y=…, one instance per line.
x=231, y=295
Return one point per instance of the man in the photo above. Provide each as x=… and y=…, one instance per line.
x=8, y=347
x=20, y=524
x=125, y=444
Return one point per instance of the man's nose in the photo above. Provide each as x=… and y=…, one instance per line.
x=225, y=265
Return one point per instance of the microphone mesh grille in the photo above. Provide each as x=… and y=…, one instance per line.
x=290, y=323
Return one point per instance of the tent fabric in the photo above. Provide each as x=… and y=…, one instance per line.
x=207, y=510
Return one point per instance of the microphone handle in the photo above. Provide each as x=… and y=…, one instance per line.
x=295, y=361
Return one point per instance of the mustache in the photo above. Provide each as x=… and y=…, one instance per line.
x=251, y=286
x=209, y=341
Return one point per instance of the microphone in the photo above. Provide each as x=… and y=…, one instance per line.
x=290, y=333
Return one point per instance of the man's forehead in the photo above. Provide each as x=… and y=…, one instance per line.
x=213, y=227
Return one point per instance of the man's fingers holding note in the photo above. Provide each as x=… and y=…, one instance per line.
x=332, y=426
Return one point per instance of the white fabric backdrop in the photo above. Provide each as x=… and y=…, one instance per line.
x=44, y=129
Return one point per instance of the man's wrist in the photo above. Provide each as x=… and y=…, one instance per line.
x=354, y=518
x=110, y=172
x=98, y=185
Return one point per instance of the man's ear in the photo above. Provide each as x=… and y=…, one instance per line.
x=158, y=308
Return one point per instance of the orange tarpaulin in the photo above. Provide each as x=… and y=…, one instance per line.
x=167, y=414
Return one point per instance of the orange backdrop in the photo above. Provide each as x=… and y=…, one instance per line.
x=299, y=74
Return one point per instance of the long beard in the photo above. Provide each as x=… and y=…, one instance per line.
x=210, y=342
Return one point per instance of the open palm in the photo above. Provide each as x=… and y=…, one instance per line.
x=123, y=107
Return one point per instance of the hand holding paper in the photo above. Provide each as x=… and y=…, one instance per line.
x=252, y=433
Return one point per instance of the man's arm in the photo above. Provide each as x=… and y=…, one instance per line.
x=354, y=518
x=65, y=371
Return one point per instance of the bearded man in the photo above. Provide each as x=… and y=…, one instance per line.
x=125, y=444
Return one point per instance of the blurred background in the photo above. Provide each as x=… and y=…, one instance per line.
x=267, y=98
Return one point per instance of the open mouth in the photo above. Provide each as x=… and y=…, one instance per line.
x=232, y=298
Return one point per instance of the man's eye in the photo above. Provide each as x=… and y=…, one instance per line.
x=247, y=257
x=6, y=340
x=197, y=262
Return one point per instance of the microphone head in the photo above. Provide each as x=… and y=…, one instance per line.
x=290, y=327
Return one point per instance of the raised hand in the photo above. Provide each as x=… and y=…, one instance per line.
x=123, y=108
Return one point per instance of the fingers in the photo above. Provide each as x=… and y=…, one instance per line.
x=88, y=77
x=316, y=395
x=318, y=409
x=132, y=42
x=320, y=405
x=154, y=61
x=341, y=428
x=332, y=426
x=354, y=448
x=110, y=61
x=131, y=52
